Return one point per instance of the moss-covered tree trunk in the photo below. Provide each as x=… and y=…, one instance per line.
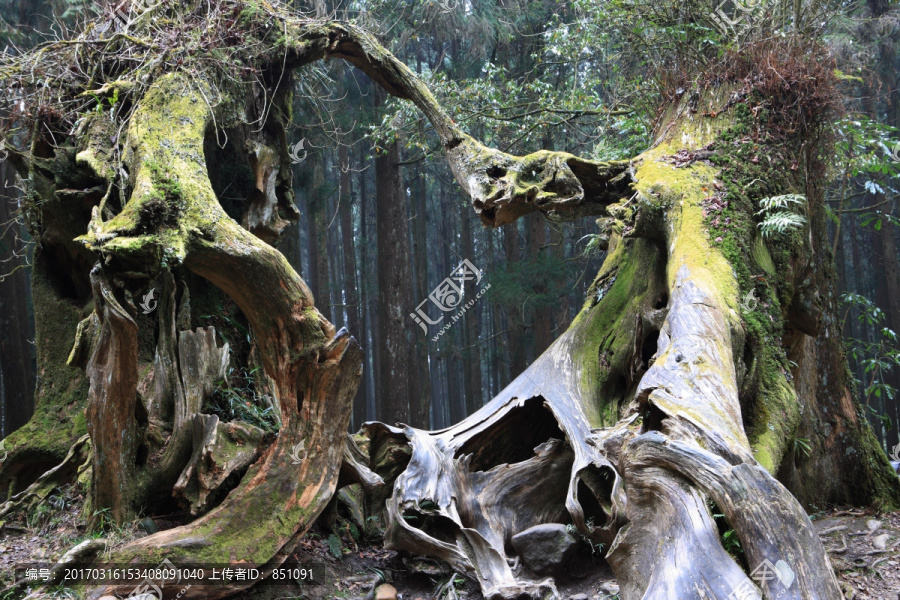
x=705, y=358
x=704, y=370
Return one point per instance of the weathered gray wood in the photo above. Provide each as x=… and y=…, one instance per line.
x=477, y=501
x=354, y=469
x=220, y=451
x=663, y=542
x=751, y=500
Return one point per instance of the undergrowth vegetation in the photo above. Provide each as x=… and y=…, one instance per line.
x=236, y=399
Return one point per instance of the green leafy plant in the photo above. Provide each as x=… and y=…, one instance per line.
x=731, y=543
x=236, y=399
x=593, y=246
x=334, y=545
x=877, y=358
x=37, y=516
x=105, y=522
x=448, y=588
x=51, y=512
x=780, y=214
x=114, y=99
x=596, y=548
x=111, y=101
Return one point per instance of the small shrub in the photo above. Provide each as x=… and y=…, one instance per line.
x=334, y=545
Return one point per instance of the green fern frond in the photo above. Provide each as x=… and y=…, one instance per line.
x=783, y=202
x=780, y=214
x=780, y=223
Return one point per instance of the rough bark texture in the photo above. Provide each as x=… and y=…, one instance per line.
x=666, y=354
x=318, y=236
x=221, y=450
x=394, y=282
x=59, y=284
x=348, y=249
x=315, y=370
x=112, y=402
x=17, y=368
x=472, y=349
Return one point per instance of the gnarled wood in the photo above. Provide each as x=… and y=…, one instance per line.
x=221, y=450
x=355, y=469
x=670, y=337
x=113, y=402
x=315, y=370
x=77, y=460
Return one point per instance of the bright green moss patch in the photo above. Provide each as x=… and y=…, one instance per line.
x=629, y=283
x=752, y=169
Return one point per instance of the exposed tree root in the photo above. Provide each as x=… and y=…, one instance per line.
x=74, y=464
x=645, y=497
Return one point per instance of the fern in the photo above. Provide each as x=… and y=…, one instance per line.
x=780, y=214
x=781, y=222
x=783, y=202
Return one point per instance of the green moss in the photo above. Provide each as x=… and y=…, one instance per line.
x=711, y=212
x=251, y=11
x=167, y=129
x=606, y=327
x=93, y=148
x=751, y=170
x=61, y=394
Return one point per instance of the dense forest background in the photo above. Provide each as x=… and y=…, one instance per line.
x=521, y=76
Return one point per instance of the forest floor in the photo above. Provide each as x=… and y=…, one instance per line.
x=865, y=552
x=864, y=548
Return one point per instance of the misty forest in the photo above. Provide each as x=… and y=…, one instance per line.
x=450, y=299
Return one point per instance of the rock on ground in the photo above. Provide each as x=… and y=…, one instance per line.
x=545, y=549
